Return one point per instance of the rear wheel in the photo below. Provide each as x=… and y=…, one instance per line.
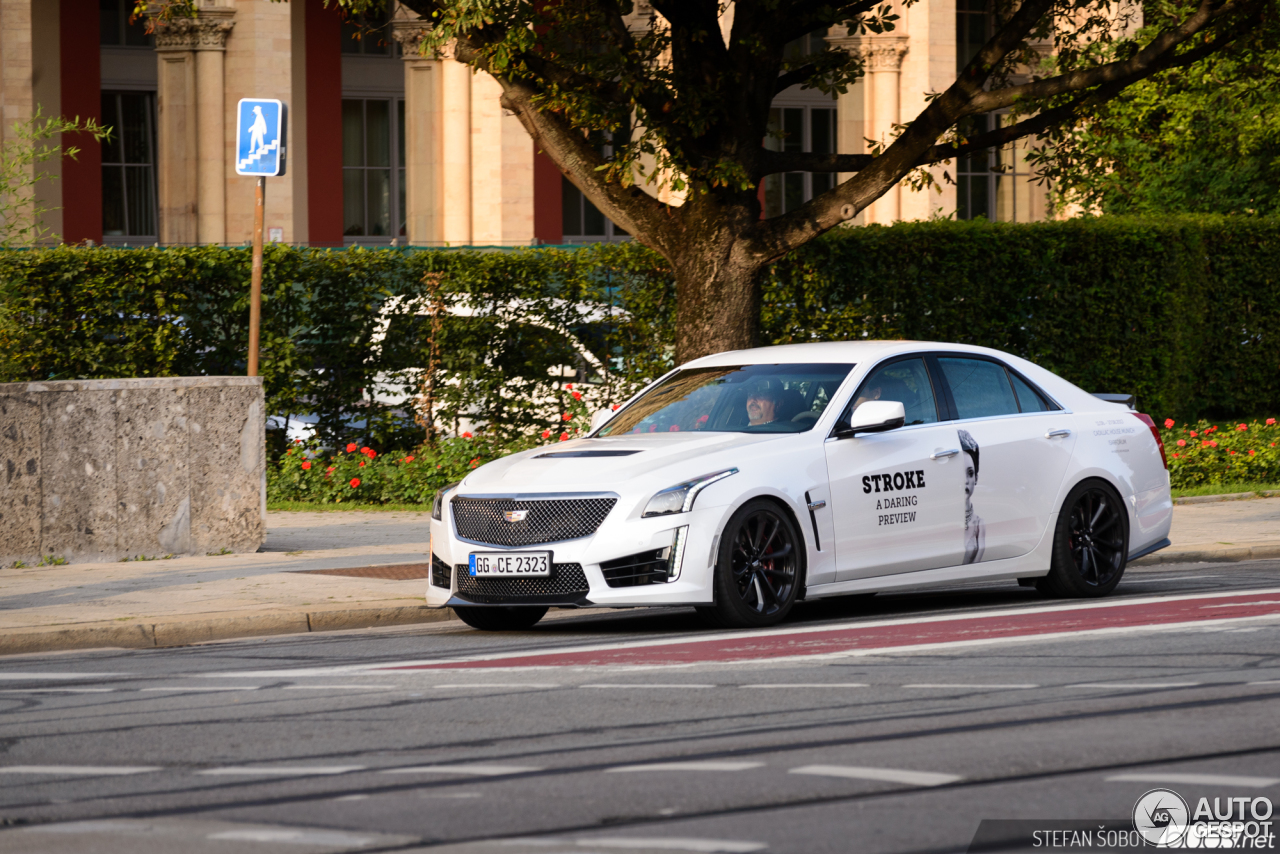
x=504, y=619
x=758, y=569
x=1090, y=543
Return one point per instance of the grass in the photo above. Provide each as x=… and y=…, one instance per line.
x=1224, y=489
x=310, y=507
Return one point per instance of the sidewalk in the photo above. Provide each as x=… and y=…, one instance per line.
x=288, y=586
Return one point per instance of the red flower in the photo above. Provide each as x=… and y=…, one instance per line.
x=569, y=386
x=351, y=449
x=546, y=434
x=372, y=453
x=564, y=437
x=355, y=481
x=362, y=463
x=329, y=470
x=1232, y=453
x=615, y=406
x=1175, y=456
x=1251, y=453
x=1212, y=429
x=1182, y=443
x=289, y=452
x=577, y=395
x=476, y=460
x=1242, y=427
x=466, y=435
x=1168, y=422
x=408, y=459
x=299, y=441
x=1270, y=421
x=306, y=465
x=1211, y=443
x=1193, y=434
x=567, y=417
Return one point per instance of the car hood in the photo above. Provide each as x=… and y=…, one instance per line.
x=602, y=466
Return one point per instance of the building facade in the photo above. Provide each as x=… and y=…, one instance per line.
x=386, y=145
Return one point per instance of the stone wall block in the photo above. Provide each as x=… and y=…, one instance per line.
x=79, y=487
x=228, y=463
x=20, y=517
x=152, y=479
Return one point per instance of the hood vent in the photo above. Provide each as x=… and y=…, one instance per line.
x=555, y=454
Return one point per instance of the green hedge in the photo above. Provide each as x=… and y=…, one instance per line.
x=1185, y=313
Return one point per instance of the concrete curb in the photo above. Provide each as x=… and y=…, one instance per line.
x=152, y=635
x=1226, y=554
x=1230, y=496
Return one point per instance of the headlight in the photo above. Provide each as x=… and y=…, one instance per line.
x=437, y=503
x=680, y=498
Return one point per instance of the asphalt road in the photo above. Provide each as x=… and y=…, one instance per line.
x=893, y=724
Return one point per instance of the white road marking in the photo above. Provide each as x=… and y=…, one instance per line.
x=808, y=685
x=216, y=688
x=353, y=798
x=961, y=685
x=1267, y=682
x=706, y=765
x=477, y=770
x=1134, y=686
x=339, y=687
x=1195, y=779
x=325, y=838
x=498, y=685
x=38, y=677
x=885, y=775
x=1167, y=579
x=54, y=689
x=281, y=772
x=79, y=770
x=710, y=846
x=642, y=685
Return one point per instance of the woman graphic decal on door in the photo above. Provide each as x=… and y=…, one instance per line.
x=975, y=533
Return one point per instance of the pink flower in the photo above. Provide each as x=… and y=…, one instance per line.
x=466, y=435
x=329, y=470
x=1182, y=443
x=355, y=481
x=351, y=449
x=564, y=437
x=674, y=428
x=306, y=465
x=1211, y=443
x=702, y=419
x=1168, y=422
x=1270, y=421
x=1242, y=427
x=546, y=434
x=567, y=417
x=1193, y=434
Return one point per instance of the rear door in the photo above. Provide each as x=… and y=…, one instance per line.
x=1015, y=445
x=897, y=497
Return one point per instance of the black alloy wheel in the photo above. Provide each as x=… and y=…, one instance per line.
x=758, y=571
x=500, y=619
x=1091, y=543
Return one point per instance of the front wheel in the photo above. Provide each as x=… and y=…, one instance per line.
x=1090, y=543
x=504, y=619
x=758, y=568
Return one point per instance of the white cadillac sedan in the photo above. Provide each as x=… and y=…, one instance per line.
x=743, y=482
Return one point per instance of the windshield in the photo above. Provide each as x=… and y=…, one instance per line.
x=741, y=399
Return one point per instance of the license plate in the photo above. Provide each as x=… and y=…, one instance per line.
x=511, y=564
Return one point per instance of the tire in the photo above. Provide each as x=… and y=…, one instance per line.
x=1090, y=543
x=759, y=568
x=502, y=619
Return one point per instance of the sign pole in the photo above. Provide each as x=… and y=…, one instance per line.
x=255, y=277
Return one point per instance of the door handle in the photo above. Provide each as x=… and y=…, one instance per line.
x=942, y=455
x=817, y=505
x=1057, y=434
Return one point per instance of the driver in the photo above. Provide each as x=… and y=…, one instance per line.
x=762, y=405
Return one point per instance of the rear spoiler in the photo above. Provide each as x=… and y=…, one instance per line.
x=1128, y=400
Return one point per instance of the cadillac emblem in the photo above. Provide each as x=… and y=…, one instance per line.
x=515, y=515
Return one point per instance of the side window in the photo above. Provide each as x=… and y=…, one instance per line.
x=980, y=388
x=1028, y=398
x=906, y=381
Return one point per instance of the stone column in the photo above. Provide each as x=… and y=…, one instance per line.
x=422, y=134
x=883, y=58
x=191, y=118
x=455, y=184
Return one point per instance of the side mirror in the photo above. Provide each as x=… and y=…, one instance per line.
x=874, y=416
x=599, y=417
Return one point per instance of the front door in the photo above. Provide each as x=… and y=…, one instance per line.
x=897, y=497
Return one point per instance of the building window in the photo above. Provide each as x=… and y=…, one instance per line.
x=998, y=183
x=373, y=168
x=581, y=221
x=798, y=129
x=128, y=166
x=119, y=27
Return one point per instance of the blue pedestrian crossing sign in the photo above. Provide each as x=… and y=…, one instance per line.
x=260, y=137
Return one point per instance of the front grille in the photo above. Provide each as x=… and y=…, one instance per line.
x=551, y=520
x=441, y=572
x=566, y=584
x=649, y=567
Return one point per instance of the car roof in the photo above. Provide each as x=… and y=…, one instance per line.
x=839, y=352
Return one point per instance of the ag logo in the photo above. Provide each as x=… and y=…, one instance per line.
x=515, y=515
x=1161, y=817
